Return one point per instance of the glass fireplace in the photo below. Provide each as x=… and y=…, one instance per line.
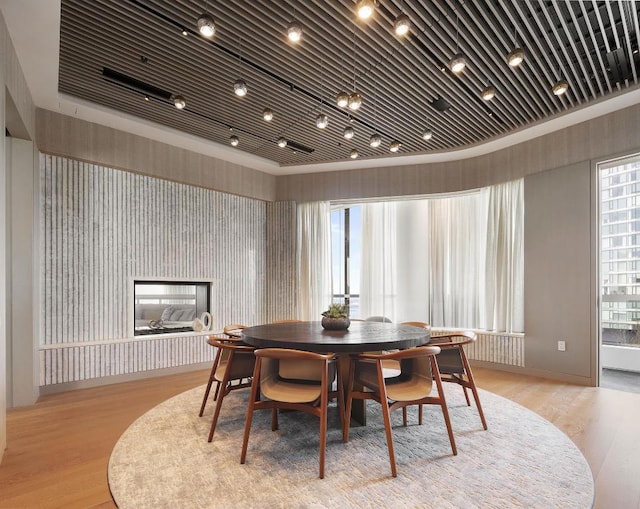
x=162, y=307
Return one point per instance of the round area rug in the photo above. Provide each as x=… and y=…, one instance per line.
x=522, y=460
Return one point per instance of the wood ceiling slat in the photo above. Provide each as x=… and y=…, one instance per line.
x=398, y=77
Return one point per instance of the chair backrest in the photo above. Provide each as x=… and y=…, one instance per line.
x=415, y=378
x=234, y=330
x=450, y=359
x=377, y=319
x=274, y=387
x=423, y=325
x=237, y=357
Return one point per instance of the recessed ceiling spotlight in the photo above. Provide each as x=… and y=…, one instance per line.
x=240, y=88
x=146, y=98
x=282, y=142
x=348, y=132
x=489, y=93
x=322, y=121
x=457, y=63
x=375, y=140
x=515, y=57
x=267, y=114
x=353, y=154
x=234, y=141
x=342, y=99
x=364, y=9
x=402, y=25
x=294, y=31
x=427, y=134
x=355, y=100
x=179, y=102
x=206, y=25
x=560, y=87
x=394, y=146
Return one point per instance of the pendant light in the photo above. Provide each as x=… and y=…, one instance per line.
x=560, y=87
x=457, y=62
x=322, y=121
x=375, y=139
x=365, y=9
x=294, y=29
x=179, y=102
x=355, y=98
x=240, y=86
x=516, y=55
x=234, y=141
x=427, y=134
x=489, y=93
x=267, y=114
x=353, y=154
x=394, y=146
x=402, y=24
x=282, y=142
x=348, y=132
x=206, y=24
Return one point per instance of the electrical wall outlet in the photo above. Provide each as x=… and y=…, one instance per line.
x=562, y=346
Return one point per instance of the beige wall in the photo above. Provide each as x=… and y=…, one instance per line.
x=600, y=137
x=559, y=277
x=66, y=136
x=14, y=90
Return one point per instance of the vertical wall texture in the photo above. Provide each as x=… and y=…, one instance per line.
x=281, y=261
x=100, y=229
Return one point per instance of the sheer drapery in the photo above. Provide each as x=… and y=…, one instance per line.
x=451, y=262
x=378, y=271
x=313, y=259
x=504, y=278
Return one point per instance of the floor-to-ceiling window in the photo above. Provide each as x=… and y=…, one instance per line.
x=620, y=263
x=346, y=256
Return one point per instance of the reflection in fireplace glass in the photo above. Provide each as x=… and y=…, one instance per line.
x=162, y=307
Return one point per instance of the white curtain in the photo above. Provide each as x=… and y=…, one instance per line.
x=451, y=262
x=378, y=270
x=313, y=259
x=504, y=266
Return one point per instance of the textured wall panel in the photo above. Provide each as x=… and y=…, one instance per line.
x=491, y=347
x=101, y=228
x=281, y=261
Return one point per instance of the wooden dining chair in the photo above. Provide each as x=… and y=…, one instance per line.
x=413, y=386
x=233, y=332
x=235, y=364
x=289, y=394
x=454, y=365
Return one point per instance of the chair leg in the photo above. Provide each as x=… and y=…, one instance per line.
x=386, y=414
x=420, y=414
x=466, y=396
x=443, y=403
x=215, y=394
x=252, y=401
x=324, y=403
x=474, y=388
x=211, y=380
x=404, y=416
x=274, y=419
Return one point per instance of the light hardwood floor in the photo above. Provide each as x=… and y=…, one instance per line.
x=58, y=449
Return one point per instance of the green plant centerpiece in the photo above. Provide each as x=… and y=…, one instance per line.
x=336, y=318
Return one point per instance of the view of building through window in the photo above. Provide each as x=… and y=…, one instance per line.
x=620, y=252
x=346, y=256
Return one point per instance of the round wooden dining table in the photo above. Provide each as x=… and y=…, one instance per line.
x=361, y=336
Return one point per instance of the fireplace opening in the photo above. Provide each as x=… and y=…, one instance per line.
x=162, y=307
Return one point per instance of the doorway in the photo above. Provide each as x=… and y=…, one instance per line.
x=619, y=241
